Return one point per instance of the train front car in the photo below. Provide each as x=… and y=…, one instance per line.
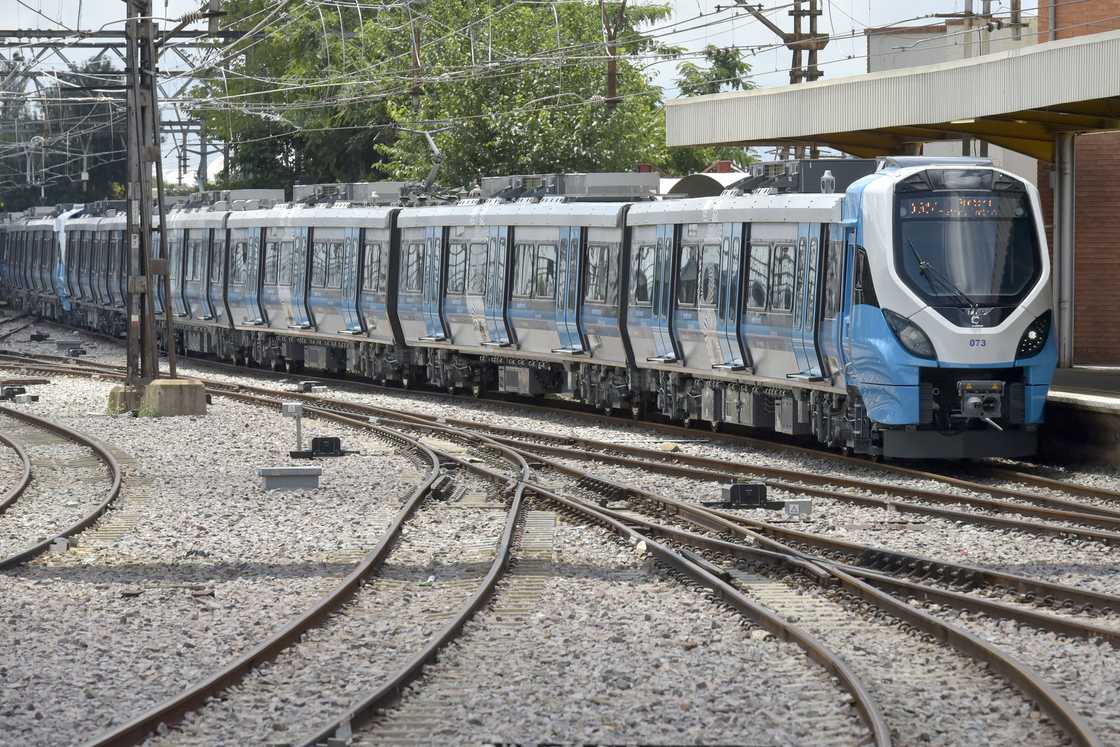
x=950, y=347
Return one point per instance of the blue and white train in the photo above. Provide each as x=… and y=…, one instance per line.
x=907, y=317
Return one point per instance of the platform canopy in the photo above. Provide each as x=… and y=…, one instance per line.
x=1020, y=99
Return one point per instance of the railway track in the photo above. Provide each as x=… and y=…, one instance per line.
x=1055, y=707
x=61, y=492
x=7, y=331
x=1102, y=502
x=171, y=711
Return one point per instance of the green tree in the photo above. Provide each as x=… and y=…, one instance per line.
x=79, y=122
x=725, y=70
x=504, y=87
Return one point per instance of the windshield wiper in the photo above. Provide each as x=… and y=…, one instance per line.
x=931, y=273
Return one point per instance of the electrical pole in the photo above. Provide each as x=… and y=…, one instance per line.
x=143, y=154
x=811, y=42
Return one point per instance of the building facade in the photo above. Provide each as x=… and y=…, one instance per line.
x=1096, y=315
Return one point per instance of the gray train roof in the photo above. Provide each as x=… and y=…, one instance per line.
x=196, y=218
x=789, y=208
x=602, y=214
x=342, y=216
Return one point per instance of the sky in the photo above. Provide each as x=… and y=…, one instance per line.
x=694, y=24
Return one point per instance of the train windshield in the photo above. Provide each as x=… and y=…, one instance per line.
x=967, y=248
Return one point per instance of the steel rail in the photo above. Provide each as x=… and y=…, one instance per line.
x=13, y=493
x=959, y=600
x=872, y=556
x=137, y=730
x=718, y=520
x=1028, y=681
x=90, y=518
x=732, y=438
x=1056, y=530
x=366, y=708
x=1050, y=483
x=1058, y=506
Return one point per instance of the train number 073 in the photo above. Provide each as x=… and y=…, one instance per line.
x=978, y=342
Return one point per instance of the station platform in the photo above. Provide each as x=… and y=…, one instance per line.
x=1083, y=416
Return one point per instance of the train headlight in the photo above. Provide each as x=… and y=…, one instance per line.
x=910, y=335
x=1034, y=337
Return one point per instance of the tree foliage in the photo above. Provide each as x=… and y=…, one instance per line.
x=725, y=70
x=504, y=88
x=80, y=125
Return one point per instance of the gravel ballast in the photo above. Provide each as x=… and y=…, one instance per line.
x=202, y=565
x=595, y=646
x=444, y=552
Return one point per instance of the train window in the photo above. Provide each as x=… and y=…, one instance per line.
x=373, y=262
x=334, y=267
x=643, y=275
x=799, y=283
x=524, y=267
x=237, y=263
x=457, y=269
x=688, y=279
x=319, y=264
x=414, y=268
x=614, y=263
x=709, y=275
x=545, y=286
x=781, y=279
x=759, y=276
x=218, y=261
x=285, y=261
x=271, y=263
x=598, y=273
x=832, y=294
x=476, y=270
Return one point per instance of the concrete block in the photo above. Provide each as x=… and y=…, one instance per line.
x=26, y=399
x=124, y=399
x=290, y=478
x=164, y=398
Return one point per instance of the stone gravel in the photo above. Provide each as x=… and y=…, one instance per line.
x=1084, y=672
x=443, y=554
x=196, y=565
x=68, y=481
x=614, y=651
x=11, y=466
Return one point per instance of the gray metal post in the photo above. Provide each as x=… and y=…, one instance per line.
x=1064, y=240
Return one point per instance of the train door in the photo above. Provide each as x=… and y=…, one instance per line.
x=351, y=318
x=494, y=302
x=431, y=300
x=805, y=306
x=830, y=333
x=728, y=295
x=569, y=270
x=294, y=251
x=176, y=270
x=661, y=297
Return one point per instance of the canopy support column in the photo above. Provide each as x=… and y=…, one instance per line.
x=1064, y=224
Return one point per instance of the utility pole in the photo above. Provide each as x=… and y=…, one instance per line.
x=143, y=154
x=811, y=42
